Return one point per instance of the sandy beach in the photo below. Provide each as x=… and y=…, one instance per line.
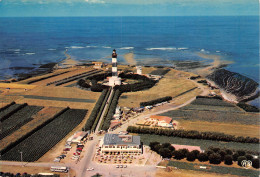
x=217, y=62
x=129, y=58
x=68, y=62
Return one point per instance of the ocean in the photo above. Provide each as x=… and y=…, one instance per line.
x=29, y=42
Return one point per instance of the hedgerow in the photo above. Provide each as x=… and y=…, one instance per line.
x=95, y=111
x=193, y=134
x=159, y=100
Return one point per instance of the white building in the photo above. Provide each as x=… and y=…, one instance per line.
x=139, y=70
x=120, y=143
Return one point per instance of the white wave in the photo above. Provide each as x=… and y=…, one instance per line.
x=29, y=53
x=77, y=47
x=162, y=48
x=17, y=50
x=183, y=48
x=106, y=47
x=67, y=47
x=89, y=46
x=126, y=48
x=202, y=50
x=217, y=51
x=53, y=49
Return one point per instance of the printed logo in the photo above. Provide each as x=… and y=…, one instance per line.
x=246, y=164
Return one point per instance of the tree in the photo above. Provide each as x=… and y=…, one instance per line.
x=228, y=160
x=240, y=159
x=184, y=151
x=166, y=145
x=190, y=156
x=215, y=158
x=229, y=152
x=165, y=153
x=203, y=157
x=208, y=152
x=249, y=157
x=196, y=153
x=255, y=163
x=235, y=156
x=157, y=148
x=178, y=155
x=241, y=153
x=153, y=144
x=171, y=148
x=222, y=154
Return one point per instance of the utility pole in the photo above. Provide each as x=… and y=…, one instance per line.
x=21, y=157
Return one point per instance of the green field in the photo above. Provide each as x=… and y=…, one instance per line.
x=204, y=144
x=214, y=110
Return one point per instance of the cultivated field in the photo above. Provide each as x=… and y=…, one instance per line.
x=216, y=115
x=40, y=142
x=174, y=83
x=37, y=119
x=60, y=97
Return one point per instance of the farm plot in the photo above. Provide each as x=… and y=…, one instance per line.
x=212, y=108
x=18, y=119
x=214, y=116
x=44, y=139
x=212, y=102
x=4, y=114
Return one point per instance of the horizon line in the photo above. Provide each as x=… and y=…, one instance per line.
x=136, y=16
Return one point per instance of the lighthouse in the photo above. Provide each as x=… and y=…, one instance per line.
x=114, y=80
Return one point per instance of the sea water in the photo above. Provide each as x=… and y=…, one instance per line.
x=26, y=43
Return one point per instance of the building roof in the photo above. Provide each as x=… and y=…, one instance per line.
x=116, y=139
x=190, y=148
x=161, y=118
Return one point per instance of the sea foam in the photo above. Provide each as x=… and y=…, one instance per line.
x=29, y=53
x=126, y=48
x=162, y=48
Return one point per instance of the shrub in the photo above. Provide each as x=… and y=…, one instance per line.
x=190, y=156
x=255, y=163
x=247, y=107
x=184, y=151
x=208, y=152
x=215, y=158
x=228, y=160
x=229, y=152
x=240, y=159
x=202, y=157
x=171, y=148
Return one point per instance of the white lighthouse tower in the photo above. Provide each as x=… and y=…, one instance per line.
x=114, y=80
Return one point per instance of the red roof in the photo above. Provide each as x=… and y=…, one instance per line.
x=161, y=118
x=190, y=148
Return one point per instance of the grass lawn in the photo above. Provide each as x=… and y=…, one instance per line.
x=204, y=144
x=174, y=83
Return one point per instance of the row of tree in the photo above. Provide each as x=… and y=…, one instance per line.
x=214, y=156
x=111, y=111
x=153, y=102
x=193, y=134
x=95, y=111
x=145, y=83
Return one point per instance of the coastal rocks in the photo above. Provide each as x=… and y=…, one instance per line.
x=234, y=87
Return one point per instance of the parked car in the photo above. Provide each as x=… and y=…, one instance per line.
x=125, y=166
x=56, y=159
x=66, y=149
x=121, y=166
x=117, y=166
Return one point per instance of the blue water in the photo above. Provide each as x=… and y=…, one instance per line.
x=28, y=42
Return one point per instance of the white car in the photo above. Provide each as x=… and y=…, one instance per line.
x=90, y=169
x=56, y=160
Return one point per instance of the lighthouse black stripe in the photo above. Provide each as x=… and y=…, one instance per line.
x=114, y=64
